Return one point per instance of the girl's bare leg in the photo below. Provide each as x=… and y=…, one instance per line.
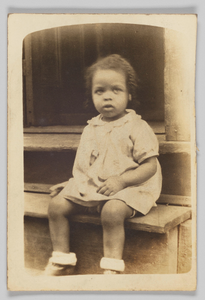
x=58, y=213
x=113, y=215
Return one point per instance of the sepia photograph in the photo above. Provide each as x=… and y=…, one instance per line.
x=101, y=152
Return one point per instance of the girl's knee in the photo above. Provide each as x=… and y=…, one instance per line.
x=114, y=212
x=57, y=207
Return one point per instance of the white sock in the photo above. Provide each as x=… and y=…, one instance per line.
x=62, y=258
x=112, y=264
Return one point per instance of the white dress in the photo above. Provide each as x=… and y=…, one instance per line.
x=111, y=148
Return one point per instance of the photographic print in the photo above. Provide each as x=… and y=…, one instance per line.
x=101, y=152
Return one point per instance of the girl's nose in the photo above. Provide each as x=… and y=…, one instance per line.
x=107, y=95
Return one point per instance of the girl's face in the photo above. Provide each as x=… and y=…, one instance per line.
x=110, y=94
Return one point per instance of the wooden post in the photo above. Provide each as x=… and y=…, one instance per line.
x=178, y=85
x=27, y=67
x=172, y=250
x=185, y=247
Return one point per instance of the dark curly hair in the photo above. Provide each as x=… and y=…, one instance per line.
x=112, y=62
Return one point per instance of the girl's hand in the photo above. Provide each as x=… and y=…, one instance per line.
x=55, y=189
x=111, y=186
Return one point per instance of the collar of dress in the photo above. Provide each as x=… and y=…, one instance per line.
x=98, y=121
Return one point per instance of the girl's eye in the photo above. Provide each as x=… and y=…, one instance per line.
x=116, y=90
x=99, y=92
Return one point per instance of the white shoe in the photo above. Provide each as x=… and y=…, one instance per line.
x=110, y=272
x=53, y=269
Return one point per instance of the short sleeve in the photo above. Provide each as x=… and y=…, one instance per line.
x=145, y=141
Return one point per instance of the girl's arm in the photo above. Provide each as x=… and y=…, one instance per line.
x=132, y=177
x=141, y=174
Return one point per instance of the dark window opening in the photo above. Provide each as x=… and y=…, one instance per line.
x=54, y=61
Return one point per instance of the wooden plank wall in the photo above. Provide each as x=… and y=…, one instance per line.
x=57, y=58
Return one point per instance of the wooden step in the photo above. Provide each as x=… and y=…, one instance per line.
x=176, y=170
x=158, y=128
x=70, y=141
x=159, y=220
x=164, y=199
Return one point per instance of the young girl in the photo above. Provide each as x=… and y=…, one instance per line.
x=116, y=171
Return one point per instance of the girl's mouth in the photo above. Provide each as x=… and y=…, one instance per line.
x=108, y=107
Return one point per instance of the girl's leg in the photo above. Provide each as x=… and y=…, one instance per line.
x=113, y=215
x=58, y=213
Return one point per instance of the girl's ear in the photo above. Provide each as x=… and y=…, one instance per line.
x=130, y=97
